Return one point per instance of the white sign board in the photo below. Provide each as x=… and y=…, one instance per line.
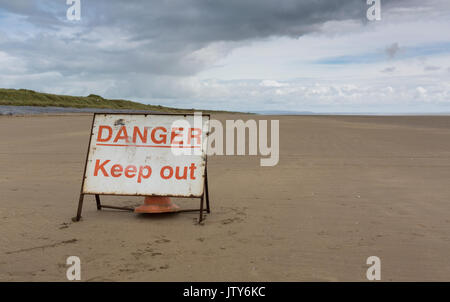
x=147, y=155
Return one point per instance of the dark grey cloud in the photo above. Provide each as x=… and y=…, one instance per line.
x=226, y=20
x=155, y=38
x=196, y=20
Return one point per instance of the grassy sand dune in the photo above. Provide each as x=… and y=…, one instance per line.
x=25, y=97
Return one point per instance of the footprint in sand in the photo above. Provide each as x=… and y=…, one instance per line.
x=231, y=220
x=162, y=240
x=64, y=225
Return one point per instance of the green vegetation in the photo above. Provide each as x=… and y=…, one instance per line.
x=25, y=97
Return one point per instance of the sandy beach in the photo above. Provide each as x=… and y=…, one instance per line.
x=345, y=188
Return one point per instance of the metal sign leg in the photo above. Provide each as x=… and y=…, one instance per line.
x=200, y=219
x=97, y=200
x=208, y=210
x=80, y=207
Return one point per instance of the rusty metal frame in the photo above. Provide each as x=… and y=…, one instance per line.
x=203, y=198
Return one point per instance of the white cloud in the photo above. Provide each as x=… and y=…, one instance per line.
x=272, y=83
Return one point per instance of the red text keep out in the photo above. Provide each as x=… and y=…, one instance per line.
x=104, y=168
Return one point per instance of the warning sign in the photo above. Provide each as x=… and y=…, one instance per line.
x=147, y=155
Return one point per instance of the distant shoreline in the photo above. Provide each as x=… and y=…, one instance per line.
x=8, y=110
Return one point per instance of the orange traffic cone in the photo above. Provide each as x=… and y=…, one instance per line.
x=157, y=204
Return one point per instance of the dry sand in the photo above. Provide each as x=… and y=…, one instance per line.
x=345, y=188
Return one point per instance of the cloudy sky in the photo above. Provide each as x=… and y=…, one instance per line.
x=295, y=55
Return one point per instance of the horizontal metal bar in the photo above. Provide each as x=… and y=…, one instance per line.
x=191, y=210
x=132, y=210
x=117, y=208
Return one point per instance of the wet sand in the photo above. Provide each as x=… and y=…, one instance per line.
x=346, y=188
